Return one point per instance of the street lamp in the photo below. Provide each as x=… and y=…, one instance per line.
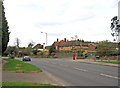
x=46, y=36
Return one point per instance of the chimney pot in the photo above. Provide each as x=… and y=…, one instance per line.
x=57, y=40
x=65, y=39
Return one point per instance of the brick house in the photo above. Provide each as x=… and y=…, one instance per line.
x=64, y=45
x=58, y=43
x=91, y=46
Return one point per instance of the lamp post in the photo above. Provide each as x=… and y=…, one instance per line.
x=46, y=36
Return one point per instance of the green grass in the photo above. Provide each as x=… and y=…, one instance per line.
x=23, y=84
x=27, y=84
x=14, y=65
x=113, y=62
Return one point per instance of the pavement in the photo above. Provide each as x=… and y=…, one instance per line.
x=41, y=77
x=91, y=61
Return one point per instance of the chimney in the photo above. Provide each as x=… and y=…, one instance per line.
x=65, y=39
x=57, y=40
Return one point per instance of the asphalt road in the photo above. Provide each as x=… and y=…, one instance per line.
x=79, y=74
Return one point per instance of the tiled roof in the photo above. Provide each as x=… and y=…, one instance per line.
x=74, y=43
x=70, y=43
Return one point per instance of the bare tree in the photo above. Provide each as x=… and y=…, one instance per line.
x=76, y=37
x=31, y=44
x=17, y=44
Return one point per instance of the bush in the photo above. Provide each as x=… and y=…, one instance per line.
x=24, y=53
x=35, y=52
x=53, y=53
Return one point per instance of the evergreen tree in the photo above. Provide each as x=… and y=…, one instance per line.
x=52, y=49
x=0, y=28
x=5, y=31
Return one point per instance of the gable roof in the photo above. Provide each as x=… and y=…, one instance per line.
x=93, y=44
x=38, y=46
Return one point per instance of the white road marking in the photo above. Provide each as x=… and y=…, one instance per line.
x=81, y=69
x=109, y=76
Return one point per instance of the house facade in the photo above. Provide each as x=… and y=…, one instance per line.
x=75, y=45
x=39, y=47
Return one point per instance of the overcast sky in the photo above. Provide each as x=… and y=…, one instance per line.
x=88, y=19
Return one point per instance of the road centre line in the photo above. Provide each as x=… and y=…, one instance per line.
x=109, y=76
x=81, y=69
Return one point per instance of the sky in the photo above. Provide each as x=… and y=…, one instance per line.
x=90, y=20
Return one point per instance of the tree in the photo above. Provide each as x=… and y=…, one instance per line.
x=17, y=44
x=105, y=48
x=5, y=31
x=52, y=49
x=10, y=50
x=31, y=44
x=115, y=27
x=82, y=40
x=35, y=52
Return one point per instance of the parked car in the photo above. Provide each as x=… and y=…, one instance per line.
x=12, y=56
x=26, y=58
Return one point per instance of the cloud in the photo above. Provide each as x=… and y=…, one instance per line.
x=59, y=18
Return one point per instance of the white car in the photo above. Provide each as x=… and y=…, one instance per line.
x=26, y=58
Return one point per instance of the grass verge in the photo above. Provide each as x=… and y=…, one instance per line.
x=27, y=85
x=14, y=65
x=113, y=62
x=23, y=84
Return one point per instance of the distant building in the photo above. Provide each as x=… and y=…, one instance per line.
x=47, y=47
x=74, y=45
x=39, y=47
x=91, y=46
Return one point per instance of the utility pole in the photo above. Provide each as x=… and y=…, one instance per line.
x=46, y=36
x=119, y=24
